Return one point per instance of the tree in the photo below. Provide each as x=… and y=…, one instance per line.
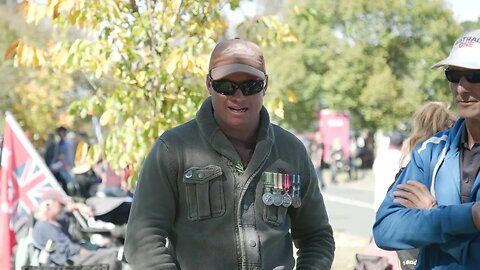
x=144, y=61
x=7, y=81
x=369, y=58
x=35, y=97
x=470, y=25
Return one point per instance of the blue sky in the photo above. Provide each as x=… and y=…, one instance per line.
x=462, y=10
x=465, y=9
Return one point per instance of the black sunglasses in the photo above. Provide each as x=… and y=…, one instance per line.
x=454, y=76
x=228, y=88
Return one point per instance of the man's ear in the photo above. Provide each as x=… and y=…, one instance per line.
x=266, y=84
x=207, y=84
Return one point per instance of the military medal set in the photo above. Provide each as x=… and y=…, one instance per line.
x=281, y=189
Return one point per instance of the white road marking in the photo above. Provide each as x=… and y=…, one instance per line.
x=346, y=201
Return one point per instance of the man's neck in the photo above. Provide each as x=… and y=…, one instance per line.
x=47, y=219
x=473, y=131
x=245, y=133
x=243, y=140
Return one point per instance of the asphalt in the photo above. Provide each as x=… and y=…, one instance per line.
x=348, y=244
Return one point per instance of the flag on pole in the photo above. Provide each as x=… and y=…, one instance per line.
x=23, y=179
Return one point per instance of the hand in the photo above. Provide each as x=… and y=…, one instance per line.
x=414, y=194
x=84, y=251
x=84, y=209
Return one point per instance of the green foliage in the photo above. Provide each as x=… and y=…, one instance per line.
x=33, y=96
x=7, y=81
x=369, y=58
x=145, y=63
x=470, y=25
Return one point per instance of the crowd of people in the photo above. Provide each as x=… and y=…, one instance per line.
x=84, y=222
x=67, y=160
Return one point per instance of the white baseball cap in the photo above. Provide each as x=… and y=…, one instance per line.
x=465, y=52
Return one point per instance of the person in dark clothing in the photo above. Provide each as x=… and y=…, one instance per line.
x=229, y=182
x=63, y=160
x=49, y=149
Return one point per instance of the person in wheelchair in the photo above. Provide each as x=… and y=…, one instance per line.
x=49, y=234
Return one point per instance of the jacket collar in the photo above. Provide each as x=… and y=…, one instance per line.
x=455, y=134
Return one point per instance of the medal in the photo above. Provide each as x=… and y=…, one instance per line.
x=277, y=199
x=287, y=199
x=267, y=196
x=277, y=193
x=296, y=201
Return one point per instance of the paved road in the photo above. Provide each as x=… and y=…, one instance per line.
x=350, y=209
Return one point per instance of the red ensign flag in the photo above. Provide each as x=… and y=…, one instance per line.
x=23, y=179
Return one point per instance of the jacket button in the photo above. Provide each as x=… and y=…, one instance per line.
x=189, y=174
x=252, y=243
x=201, y=175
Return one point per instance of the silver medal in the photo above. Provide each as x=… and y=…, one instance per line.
x=296, y=202
x=287, y=200
x=277, y=198
x=267, y=198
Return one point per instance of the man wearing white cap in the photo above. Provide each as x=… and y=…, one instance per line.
x=447, y=165
x=229, y=189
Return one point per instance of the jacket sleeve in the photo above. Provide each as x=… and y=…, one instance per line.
x=464, y=249
x=397, y=227
x=153, y=212
x=311, y=230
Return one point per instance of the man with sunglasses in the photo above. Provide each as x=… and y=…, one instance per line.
x=229, y=189
x=446, y=165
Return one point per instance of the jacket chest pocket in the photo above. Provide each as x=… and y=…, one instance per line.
x=204, y=192
x=274, y=215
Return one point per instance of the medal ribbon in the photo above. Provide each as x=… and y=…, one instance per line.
x=296, y=185
x=286, y=183
x=278, y=182
x=267, y=182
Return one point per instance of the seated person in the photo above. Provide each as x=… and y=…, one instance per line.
x=65, y=250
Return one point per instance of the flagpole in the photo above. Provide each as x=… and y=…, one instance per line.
x=1, y=146
x=3, y=138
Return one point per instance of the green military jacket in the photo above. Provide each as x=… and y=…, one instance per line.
x=193, y=193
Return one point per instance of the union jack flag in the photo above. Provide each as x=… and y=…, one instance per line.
x=32, y=183
x=23, y=179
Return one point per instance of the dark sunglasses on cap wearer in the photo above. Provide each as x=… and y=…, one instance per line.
x=228, y=88
x=454, y=76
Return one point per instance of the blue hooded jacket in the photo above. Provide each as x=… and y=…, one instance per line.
x=445, y=234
